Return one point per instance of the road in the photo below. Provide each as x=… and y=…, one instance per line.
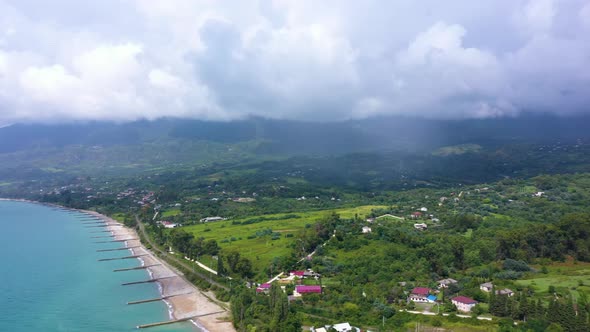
x=168, y=257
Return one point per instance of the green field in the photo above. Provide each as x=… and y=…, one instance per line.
x=118, y=216
x=262, y=249
x=170, y=213
x=565, y=277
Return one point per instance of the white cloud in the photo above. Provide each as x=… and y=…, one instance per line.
x=304, y=59
x=539, y=14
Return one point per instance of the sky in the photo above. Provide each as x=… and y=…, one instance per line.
x=331, y=60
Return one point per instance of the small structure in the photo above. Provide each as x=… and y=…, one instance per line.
x=421, y=226
x=298, y=273
x=422, y=295
x=263, y=288
x=464, y=303
x=370, y=220
x=416, y=215
x=304, y=289
x=366, y=229
x=344, y=327
x=423, y=209
x=340, y=327
x=309, y=273
x=167, y=224
x=486, y=287
x=539, y=194
x=209, y=219
x=505, y=291
x=444, y=283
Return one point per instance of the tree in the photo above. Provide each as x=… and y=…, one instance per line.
x=180, y=239
x=240, y=303
x=211, y=247
x=220, y=267
x=244, y=267
x=232, y=260
x=279, y=305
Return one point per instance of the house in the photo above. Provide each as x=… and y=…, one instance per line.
x=444, y=283
x=366, y=229
x=464, y=303
x=423, y=209
x=421, y=294
x=344, y=327
x=539, y=194
x=209, y=219
x=167, y=224
x=486, y=287
x=299, y=274
x=263, y=288
x=421, y=226
x=505, y=291
x=340, y=327
x=310, y=274
x=370, y=220
x=416, y=215
x=304, y=289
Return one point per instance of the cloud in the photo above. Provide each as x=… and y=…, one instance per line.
x=333, y=60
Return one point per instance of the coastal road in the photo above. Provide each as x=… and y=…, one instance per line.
x=175, y=259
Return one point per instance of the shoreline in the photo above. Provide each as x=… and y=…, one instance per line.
x=187, y=300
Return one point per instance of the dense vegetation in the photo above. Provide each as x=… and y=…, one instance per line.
x=515, y=215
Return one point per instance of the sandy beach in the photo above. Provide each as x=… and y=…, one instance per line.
x=187, y=300
x=190, y=301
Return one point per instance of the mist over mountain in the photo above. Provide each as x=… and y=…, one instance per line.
x=294, y=137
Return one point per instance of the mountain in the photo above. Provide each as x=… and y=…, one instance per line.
x=28, y=150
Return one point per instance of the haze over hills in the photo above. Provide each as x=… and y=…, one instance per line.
x=296, y=137
x=33, y=151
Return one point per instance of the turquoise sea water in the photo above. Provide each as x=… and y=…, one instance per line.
x=50, y=279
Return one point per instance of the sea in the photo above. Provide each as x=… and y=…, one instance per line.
x=51, y=279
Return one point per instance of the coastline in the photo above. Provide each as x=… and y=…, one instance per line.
x=187, y=300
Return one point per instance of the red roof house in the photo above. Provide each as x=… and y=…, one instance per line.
x=416, y=214
x=464, y=303
x=421, y=291
x=297, y=273
x=421, y=294
x=263, y=288
x=464, y=300
x=303, y=289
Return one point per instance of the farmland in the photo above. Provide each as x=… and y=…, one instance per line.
x=241, y=233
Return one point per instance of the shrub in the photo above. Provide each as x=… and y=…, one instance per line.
x=514, y=265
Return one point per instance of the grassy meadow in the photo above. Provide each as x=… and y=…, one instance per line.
x=234, y=235
x=565, y=277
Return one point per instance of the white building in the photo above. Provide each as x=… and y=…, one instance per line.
x=444, y=283
x=209, y=219
x=464, y=303
x=421, y=226
x=486, y=287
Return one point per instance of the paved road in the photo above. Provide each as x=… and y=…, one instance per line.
x=175, y=259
